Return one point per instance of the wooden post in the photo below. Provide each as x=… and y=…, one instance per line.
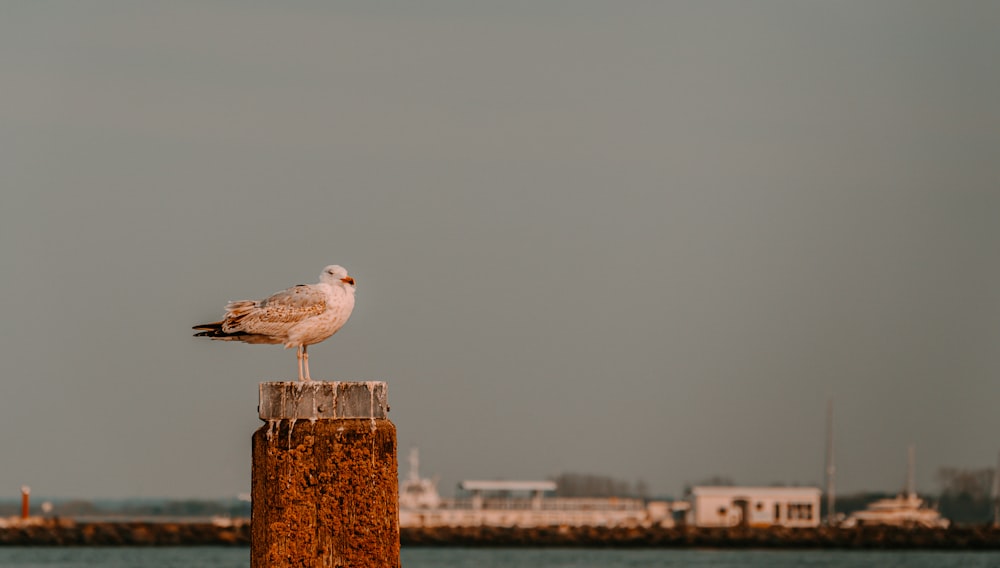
x=325, y=485
x=25, y=502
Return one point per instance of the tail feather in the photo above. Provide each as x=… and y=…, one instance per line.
x=209, y=326
x=214, y=331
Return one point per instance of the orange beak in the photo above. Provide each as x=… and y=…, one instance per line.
x=347, y=280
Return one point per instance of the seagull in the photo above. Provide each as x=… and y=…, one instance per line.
x=299, y=316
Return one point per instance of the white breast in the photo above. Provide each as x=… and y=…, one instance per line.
x=340, y=304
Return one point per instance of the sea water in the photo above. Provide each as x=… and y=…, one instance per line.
x=239, y=557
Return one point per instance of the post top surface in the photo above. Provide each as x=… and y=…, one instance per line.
x=316, y=400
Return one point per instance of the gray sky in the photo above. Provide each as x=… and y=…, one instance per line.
x=639, y=239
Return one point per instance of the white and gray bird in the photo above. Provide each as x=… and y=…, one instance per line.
x=297, y=317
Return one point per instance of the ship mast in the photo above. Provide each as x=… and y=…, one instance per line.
x=996, y=495
x=911, y=478
x=830, y=468
x=414, y=465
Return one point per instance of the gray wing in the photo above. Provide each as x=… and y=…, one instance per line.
x=275, y=315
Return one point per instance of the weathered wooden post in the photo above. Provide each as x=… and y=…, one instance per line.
x=325, y=486
x=25, y=502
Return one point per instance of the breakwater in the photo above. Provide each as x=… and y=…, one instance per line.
x=963, y=538
x=124, y=533
x=128, y=533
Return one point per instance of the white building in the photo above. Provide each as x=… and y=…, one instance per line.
x=518, y=504
x=754, y=506
x=524, y=504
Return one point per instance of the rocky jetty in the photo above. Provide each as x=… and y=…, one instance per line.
x=104, y=533
x=68, y=533
x=966, y=538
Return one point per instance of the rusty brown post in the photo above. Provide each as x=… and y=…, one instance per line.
x=25, y=500
x=325, y=485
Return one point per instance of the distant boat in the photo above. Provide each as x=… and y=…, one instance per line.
x=900, y=511
x=903, y=510
x=418, y=492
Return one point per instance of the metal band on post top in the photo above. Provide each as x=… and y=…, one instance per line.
x=315, y=400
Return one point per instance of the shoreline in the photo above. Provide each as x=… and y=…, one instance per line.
x=862, y=538
x=147, y=533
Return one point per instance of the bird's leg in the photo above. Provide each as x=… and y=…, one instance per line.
x=305, y=359
x=298, y=355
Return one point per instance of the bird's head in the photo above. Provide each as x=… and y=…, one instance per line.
x=336, y=275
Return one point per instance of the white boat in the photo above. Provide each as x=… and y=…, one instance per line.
x=416, y=493
x=518, y=504
x=903, y=510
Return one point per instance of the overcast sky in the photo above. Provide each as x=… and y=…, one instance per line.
x=638, y=239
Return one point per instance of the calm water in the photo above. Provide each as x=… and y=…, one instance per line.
x=181, y=557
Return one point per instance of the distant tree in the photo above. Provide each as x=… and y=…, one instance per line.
x=713, y=481
x=590, y=485
x=76, y=507
x=965, y=494
x=973, y=483
x=717, y=481
x=641, y=489
x=138, y=508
